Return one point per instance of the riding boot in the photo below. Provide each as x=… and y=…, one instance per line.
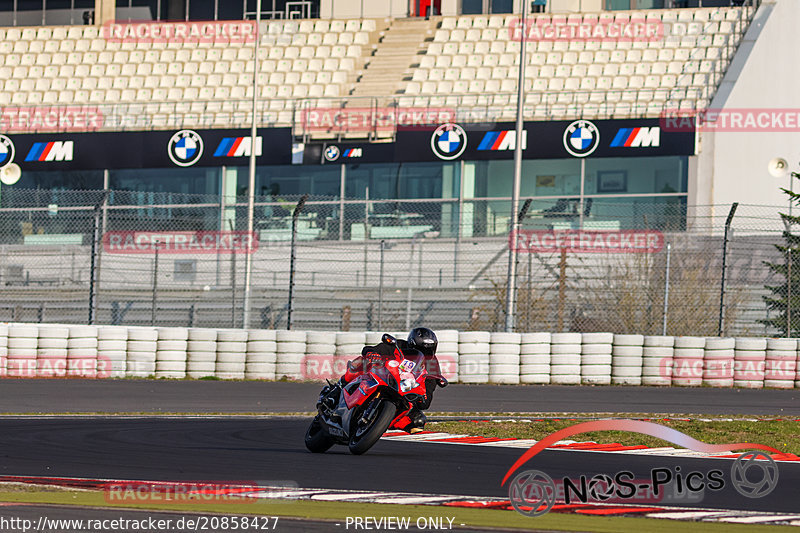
x=418, y=420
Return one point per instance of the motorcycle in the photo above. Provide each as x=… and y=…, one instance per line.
x=379, y=399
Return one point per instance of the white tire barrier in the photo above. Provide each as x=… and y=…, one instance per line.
x=82, y=351
x=51, y=351
x=718, y=365
x=565, y=358
x=21, y=354
x=688, y=356
x=749, y=362
x=657, y=362
x=29, y=350
x=780, y=363
x=534, y=358
x=627, y=359
x=504, y=349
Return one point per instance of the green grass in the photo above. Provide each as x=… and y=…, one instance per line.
x=780, y=434
x=339, y=511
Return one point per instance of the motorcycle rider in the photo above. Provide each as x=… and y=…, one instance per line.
x=422, y=339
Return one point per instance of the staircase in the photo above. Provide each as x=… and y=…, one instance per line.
x=394, y=56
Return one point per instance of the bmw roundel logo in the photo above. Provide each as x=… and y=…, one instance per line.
x=449, y=141
x=581, y=138
x=6, y=151
x=332, y=153
x=185, y=148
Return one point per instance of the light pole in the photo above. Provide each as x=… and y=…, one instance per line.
x=514, y=220
x=248, y=264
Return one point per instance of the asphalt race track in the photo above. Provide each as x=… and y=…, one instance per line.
x=149, y=396
x=271, y=451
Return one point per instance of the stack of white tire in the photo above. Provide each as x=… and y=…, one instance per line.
x=749, y=362
x=142, y=346
x=51, y=351
x=231, y=353
x=112, y=351
x=534, y=358
x=291, y=352
x=82, y=351
x=565, y=358
x=718, y=362
x=262, y=354
x=657, y=360
x=628, y=358
x=504, y=349
x=447, y=354
x=320, y=360
x=22, y=342
x=596, y=358
x=687, y=361
x=473, y=356
x=780, y=363
x=201, y=353
x=3, y=349
x=172, y=346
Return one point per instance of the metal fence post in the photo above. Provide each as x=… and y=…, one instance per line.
x=666, y=291
x=295, y=214
x=155, y=287
x=94, y=267
x=725, y=266
x=409, y=285
x=380, y=289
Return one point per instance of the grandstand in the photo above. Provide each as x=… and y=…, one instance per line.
x=467, y=62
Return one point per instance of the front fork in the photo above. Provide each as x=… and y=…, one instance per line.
x=368, y=415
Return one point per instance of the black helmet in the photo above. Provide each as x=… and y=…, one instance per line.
x=424, y=340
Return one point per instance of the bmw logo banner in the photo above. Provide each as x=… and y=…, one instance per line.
x=145, y=149
x=543, y=140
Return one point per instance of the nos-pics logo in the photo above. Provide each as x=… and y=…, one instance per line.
x=449, y=141
x=185, y=148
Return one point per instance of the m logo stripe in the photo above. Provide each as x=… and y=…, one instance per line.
x=489, y=140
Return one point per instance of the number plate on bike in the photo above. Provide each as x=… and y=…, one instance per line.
x=407, y=365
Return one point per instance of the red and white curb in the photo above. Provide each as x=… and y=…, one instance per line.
x=470, y=440
x=407, y=498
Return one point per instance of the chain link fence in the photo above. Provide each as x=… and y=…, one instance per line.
x=171, y=259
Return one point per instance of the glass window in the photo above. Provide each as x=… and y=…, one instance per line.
x=636, y=175
x=471, y=7
x=76, y=180
x=163, y=184
x=403, y=180
x=502, y=6
x=556, y=177
x=292, y=181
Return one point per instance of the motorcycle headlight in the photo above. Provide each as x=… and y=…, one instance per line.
x=408, y=384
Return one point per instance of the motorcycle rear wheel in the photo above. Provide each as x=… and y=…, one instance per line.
x=317, y=440
x=364, y=438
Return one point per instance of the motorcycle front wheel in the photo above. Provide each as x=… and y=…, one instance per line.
x=317, y=440
x=365, y=436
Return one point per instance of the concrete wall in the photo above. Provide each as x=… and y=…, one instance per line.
x=764, y=74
